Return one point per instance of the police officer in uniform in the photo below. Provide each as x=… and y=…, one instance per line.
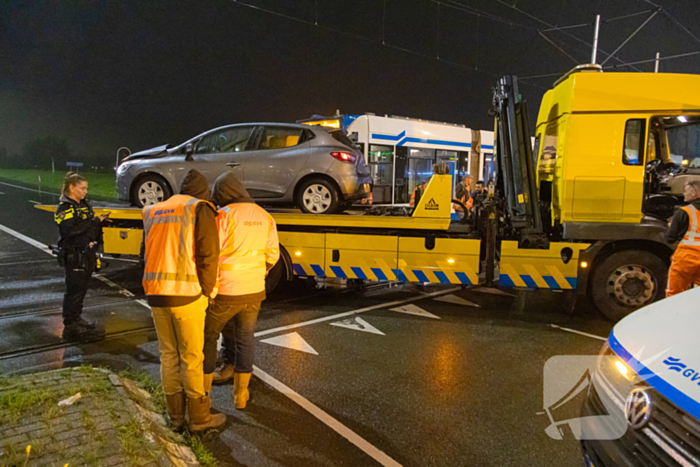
x=80, y=235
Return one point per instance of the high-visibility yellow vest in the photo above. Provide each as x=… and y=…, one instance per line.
x=170, y=265
x=248, y=241
x=691, y=239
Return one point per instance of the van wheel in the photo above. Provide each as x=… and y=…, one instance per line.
x=318, y=196
x=148, y=190
x=626, y=281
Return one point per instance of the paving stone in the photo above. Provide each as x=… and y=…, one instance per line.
x=21, y=438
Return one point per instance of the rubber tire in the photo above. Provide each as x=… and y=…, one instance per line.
x=336, y=205
x=274, y=276
x=167, y=192
x=608, y=305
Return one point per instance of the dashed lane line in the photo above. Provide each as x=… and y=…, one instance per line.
x=593, y=336
x=354, y=312
x=327, y=419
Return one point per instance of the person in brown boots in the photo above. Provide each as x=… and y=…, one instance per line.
x=249, y=249
x=180, y=275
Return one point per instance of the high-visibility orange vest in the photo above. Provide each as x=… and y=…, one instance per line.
x=691, y=239
x=170, y=264
x=422, y=187
x=466, y=200
x=248, y=241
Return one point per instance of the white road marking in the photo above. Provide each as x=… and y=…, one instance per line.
x=412, y=309
x=324, y=417
x=29, y=189
x=45, y=249
x=26, y=239
x=358, y=324
x=291, y=341
x=34, y=202
x=579, y=332
x=456, y=300
x=353, y=312
x=1, y=193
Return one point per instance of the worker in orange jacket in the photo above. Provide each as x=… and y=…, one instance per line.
x=464, y=195
x=685, y=228
x=180, y=275
x=249, y=249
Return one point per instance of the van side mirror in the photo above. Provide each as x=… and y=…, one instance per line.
x=189, y=149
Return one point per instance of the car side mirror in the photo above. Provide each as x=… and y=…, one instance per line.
x=189, y=149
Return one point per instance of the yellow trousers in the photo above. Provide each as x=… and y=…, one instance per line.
x=181, y=343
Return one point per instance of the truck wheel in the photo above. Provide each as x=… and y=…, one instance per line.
x=273, y=277
x=318, y=196
x=626, y=281
x=150, y=189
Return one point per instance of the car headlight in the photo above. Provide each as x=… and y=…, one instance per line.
x=123, y=167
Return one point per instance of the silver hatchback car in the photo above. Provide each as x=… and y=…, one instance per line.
x=318, y=169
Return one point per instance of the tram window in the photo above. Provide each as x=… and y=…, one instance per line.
x=379, y=154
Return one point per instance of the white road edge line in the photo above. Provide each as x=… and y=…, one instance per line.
x=34, y=202
x=579, y=332
x=354, y=312
x=327, y=419
x=29, y=189
x=45, y=249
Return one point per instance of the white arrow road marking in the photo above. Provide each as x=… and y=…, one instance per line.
x=491, y=290
x=412, y=309
x=292, y=341
x=357, y=324
x=456, y=300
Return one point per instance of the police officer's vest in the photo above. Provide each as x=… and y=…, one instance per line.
x=170, y=264
x=244, y=235
x=692, y=236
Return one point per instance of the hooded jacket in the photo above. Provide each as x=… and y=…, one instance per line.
x=248, y=242
x=206, y=242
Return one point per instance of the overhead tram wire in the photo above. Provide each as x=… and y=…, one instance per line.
x=563, y=32
x=367, y=39
x=617, y=18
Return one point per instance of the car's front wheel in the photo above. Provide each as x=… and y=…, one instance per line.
x=150, y=189
x=318, y=196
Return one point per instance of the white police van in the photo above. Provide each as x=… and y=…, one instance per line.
x=645, y=399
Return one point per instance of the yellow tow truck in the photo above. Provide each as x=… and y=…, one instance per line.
x=586, y=211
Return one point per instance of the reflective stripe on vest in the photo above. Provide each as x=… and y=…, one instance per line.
x=169, y=231
x=692, y=236
x=244, y=230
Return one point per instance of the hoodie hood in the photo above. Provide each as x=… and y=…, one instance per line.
x=229, y=189
x=194, y=184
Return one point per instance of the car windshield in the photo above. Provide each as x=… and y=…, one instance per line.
x=341, y=137
x=684, y=144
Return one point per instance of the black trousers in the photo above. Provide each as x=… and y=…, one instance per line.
x=237, y=323
x=77, y=282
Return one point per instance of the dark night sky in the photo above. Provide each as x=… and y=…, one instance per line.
x=138, y=73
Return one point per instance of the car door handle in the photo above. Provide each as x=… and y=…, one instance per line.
x=233, y=164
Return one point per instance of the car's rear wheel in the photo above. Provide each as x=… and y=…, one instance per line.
x=318, y=196
x=150, y=189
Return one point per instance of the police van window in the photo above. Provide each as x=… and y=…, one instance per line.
x=633, y=151
x=278, y=137
x=229, y=140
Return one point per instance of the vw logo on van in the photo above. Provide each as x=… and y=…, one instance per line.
x=638, y=409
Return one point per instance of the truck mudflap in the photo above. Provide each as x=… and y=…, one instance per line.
x=553, y=268
x=383, y=258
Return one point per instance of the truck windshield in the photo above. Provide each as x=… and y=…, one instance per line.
x=684, y=144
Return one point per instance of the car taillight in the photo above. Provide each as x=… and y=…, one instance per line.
x=344, y=156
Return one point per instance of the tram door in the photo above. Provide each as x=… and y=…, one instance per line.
x=451, y=159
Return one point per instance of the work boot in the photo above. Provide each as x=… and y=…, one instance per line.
x=177, y=408
x=85, y=324
x=201, y=418
x=208, y=378
x=240, y=389
x=75, y=332
x=224, y=375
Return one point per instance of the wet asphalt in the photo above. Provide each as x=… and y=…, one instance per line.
x=461, y=387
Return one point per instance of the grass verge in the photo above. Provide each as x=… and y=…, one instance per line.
x=102, y=185
x=196, y=443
